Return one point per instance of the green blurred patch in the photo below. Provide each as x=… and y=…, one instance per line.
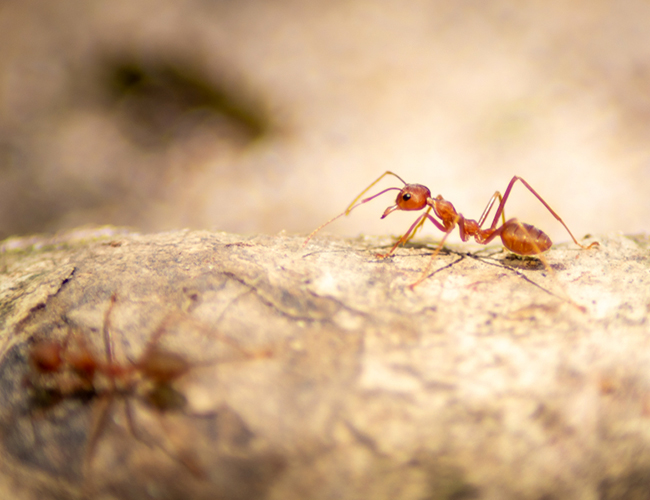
x=160, y=101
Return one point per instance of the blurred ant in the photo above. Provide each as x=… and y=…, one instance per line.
x=518, y=237
x=68, y=369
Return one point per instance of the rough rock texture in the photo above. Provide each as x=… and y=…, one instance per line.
x=318, y=373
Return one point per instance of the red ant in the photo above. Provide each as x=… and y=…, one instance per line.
x=518, y=237
x=69, y=369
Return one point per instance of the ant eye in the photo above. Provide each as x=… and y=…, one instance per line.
x=406, y=196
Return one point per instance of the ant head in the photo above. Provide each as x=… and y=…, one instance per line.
x=411, y=197
x=45, y=356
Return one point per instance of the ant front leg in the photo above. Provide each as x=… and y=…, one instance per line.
x=425, y=273
x=407, y=236
x=420, y=225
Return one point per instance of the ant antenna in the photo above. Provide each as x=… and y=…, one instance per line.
x=388, y=172
x=352, y=205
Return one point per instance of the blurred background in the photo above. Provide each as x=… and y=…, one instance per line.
x=261, y=116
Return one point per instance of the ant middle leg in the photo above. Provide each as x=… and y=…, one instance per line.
x=488, y=209
x=420, y=225
x=425, y=272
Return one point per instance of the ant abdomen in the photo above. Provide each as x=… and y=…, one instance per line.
x=524, y=239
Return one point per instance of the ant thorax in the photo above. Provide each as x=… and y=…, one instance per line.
x=446, y=211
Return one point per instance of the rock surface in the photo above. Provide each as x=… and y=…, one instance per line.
x=318, y=373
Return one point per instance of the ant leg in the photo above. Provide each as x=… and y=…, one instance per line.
x=407, y=236
x=458, y=220
x=425, y=273
x=488, y=209
x=419, y=222
x=420, y=225
x=180, y=452
x=72, y=333
x=153, y=354
x=103, y=407
x=151, y=346
x=184, y=457
x=538, y=254
x=530, y=188
x=102, y=411
x=108, y=341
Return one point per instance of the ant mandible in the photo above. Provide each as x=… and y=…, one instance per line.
x=518, y=237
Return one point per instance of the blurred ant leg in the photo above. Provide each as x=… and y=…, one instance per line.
x=108, y=340
x=72, y=333
x=181, y=453
x=154, y=338
x=231, y=342
x=149, y=347
x=101, y=412
x=387, y=172
x=210, y=331
x=229, y=305
x=185, y=458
